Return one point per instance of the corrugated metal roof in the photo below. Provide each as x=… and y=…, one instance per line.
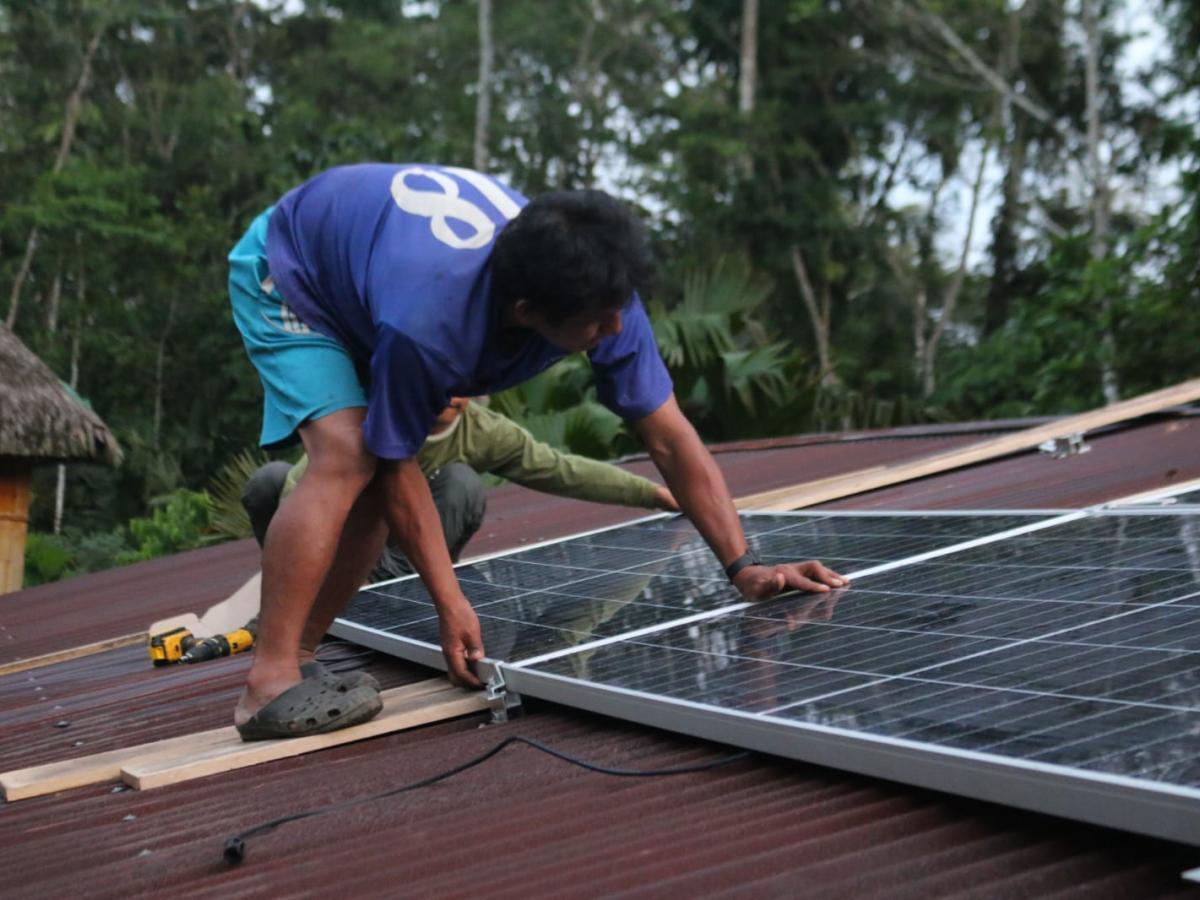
x=1156, y=455
x=525, y=824
x=122, y=601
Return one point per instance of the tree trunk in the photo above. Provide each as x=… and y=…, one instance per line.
x=1004, y=233
x=60, y=485
x=160, y=365
x=954, y=289
x=1011, y=214
x=820, y=325
x=748, y=59
x=70, y=123
x=920, y=284
x=920, y=309
x=483, y=102
x=53, y=302
x=991, y=77
x=748, y=79
x=1099, y=240
x=819, y=310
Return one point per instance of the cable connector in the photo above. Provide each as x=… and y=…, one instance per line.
x=235, y=851
x=235, y=847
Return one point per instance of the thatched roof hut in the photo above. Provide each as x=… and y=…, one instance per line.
x=41, y=420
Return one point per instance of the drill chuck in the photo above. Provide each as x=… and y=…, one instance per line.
x=218, y=646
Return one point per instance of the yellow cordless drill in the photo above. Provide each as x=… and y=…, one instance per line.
x=181, y=646
x=168, y=648
x=204, y=649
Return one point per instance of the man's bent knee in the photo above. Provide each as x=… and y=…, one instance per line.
x=336, y=450
x=260, y=496
x=459, y=487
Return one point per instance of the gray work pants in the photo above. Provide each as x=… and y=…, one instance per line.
x=458, y=495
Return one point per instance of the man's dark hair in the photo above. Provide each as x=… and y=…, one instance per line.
x=572, y=253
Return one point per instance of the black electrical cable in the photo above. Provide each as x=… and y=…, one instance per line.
x=235, y=847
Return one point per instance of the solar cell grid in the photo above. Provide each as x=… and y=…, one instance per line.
x=643, y=574
x=858, y=542
x=1069, y=681
x=1076, y=645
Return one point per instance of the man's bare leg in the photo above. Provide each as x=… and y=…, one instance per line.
x=362, y=542
x=299, y=550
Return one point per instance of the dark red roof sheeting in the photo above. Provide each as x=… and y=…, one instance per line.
x=122, y=601
x=525, y=824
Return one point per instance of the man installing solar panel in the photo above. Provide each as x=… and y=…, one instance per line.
x=367, y=298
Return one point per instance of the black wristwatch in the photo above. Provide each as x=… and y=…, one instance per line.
x=745, y=561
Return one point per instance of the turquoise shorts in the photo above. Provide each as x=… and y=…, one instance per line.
x=305, y=375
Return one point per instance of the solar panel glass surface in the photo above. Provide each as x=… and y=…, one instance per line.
x=648, y=574
x=1076, y=646
x=1008, y=644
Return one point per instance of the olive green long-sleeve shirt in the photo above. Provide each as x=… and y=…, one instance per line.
x=489, y=442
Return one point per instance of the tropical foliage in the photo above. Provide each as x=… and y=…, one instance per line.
x=867, y=212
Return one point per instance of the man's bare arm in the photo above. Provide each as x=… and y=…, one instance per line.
x=414, y=523
x=699, y=487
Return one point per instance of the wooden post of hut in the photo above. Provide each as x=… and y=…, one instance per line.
x=16, y=479
x=41, y=422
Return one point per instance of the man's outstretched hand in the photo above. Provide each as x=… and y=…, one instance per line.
x=462, y=642
x=762, y=582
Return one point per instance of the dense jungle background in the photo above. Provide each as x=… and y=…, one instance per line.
x=866, y=212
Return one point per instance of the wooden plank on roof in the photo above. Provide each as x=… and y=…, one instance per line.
x=98, y=768
x=48, y=659
x=400, y=712
x=826, y=489
x=50, y=778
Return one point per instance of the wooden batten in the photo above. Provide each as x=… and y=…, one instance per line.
x=811, y=493
x=16, y=479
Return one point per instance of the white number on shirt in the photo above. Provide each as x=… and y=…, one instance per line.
x=444, y=206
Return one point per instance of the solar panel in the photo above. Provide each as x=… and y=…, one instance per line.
x=1050, y=663
x=558, y=595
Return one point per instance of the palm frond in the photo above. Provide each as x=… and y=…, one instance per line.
x=716, y=308
x=760, y=372
x=227, y=517
x=730, y=287
x=558, y=388
x=591, y=429
x=692, y=338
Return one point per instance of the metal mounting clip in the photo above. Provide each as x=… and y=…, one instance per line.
x=1067, y=445
x=502, y=702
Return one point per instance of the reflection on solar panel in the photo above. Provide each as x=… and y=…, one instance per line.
x=556, y=596
x=1051, y=663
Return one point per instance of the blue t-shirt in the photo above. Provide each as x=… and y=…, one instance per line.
x=392, y=262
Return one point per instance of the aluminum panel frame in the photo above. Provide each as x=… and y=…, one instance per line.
x=1156, y=809
x=1149, y=808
